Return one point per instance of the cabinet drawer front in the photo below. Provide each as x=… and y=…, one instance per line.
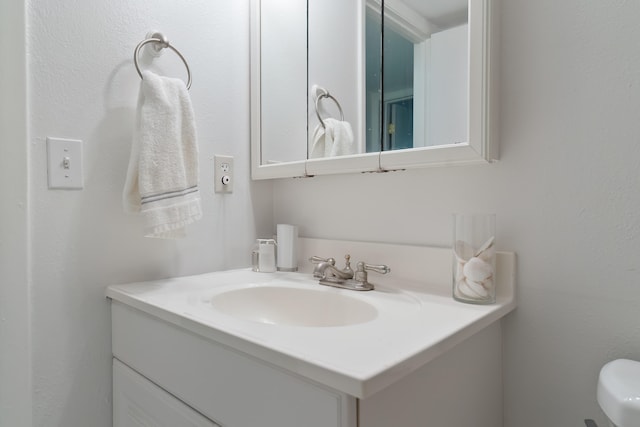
x=230, y=387
x=138, y=402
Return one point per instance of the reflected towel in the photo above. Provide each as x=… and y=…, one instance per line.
x=162, y=178
x=334, y=140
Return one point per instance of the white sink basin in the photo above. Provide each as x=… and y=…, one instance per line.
x=281, y=305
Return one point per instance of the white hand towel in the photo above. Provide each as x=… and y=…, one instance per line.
x=162, y=178
x=335, y=139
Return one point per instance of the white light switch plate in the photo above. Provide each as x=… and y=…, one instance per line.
x=64, y=163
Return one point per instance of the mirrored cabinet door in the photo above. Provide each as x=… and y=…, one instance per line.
x=453, y=85
x=340, y=34
x=425, y=56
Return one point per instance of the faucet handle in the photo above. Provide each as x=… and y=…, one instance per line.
x=317, y=260
x=361, y=275
x=382, y=269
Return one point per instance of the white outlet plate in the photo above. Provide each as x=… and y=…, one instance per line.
x=223, y=174
x=64, y=163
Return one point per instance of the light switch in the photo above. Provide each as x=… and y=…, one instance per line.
x=64, y=163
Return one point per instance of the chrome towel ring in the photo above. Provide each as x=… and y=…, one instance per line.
x=160, y=42
x=326, y=94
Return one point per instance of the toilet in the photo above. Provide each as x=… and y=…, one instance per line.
x=619, y=392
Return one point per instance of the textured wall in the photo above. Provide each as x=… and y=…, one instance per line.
x=83, y=85
x=565, y=191
x=566, y=194
x=15, y=394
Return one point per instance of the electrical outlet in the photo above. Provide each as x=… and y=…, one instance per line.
x=223, y=173
x=64, y=163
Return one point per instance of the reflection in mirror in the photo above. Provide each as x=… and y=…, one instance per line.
x=335, y=51
x=398, y=86
x=310, y=48
x=425, y=71
x=373, y=74
x=283, y=74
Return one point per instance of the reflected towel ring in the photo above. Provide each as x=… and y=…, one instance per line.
x=161, y=43
x=326, y=94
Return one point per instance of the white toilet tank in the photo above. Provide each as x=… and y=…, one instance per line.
x=619, y=392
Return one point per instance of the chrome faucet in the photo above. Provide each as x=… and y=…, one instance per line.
x=326, y=269
x=330, y=275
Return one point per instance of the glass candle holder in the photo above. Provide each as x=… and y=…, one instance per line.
x=474, y=258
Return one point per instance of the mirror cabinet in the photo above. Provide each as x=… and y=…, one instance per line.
x=367, y=85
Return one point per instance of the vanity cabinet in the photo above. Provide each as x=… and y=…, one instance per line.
x=139, y=402
x=424, y=360
x=460, y=388
x=229, y=387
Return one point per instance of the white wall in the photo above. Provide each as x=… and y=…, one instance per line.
x=566, y=192
x=82, y=84
x=15, y=395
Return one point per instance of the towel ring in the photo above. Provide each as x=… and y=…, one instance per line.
x=161, y=42
x=327, y=95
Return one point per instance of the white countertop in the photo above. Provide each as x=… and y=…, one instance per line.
x=415, y=324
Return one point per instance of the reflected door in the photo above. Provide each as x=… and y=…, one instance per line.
x=399, y=124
